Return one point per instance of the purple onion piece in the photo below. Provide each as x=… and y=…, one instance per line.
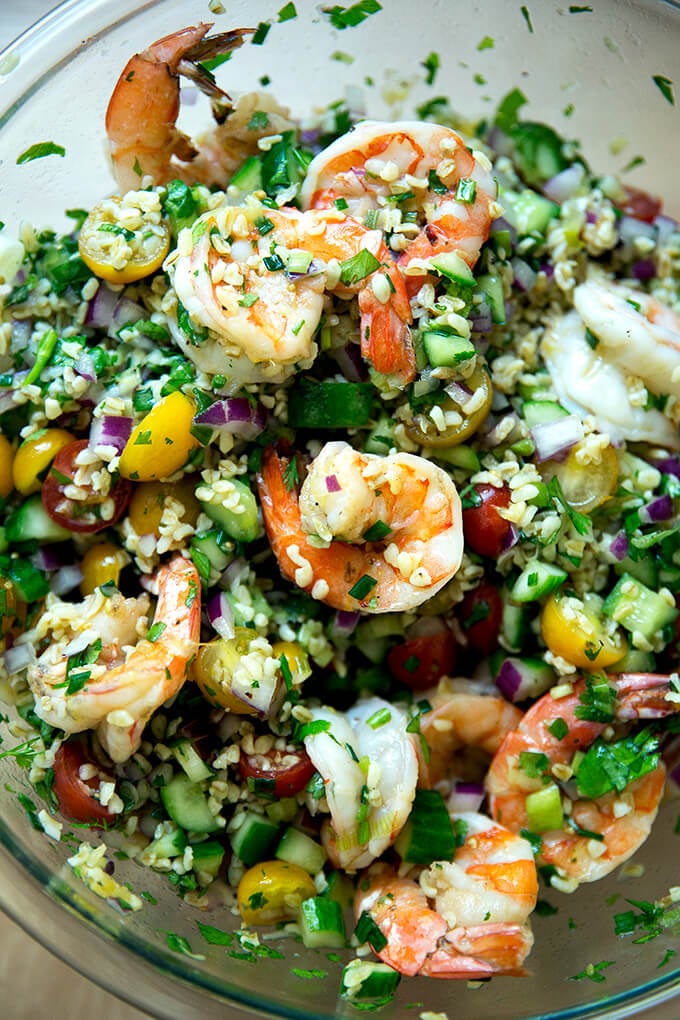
x=332, y=484
x=554, y=439
x=66, y=579
x=110, y=430
x=101, y=307
x=511, y=538
x=525, y=276
x=502, y=224
x=350, y=362
x=565, y=184
x=619, y=547
x=644, y=269
x=344, y=622
x=465, y=797
x=459, y=393
x=236, y=416
x=669, y=466
x=509, y=680
x=221, y=615
x=665, y=227
x=126, y=313
x=48, y=558
x=631, y=228
x=660, y=509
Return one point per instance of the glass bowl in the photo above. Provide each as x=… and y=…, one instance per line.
x=587, y=69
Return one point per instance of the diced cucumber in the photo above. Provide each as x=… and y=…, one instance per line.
x=170, y=844
x=645, y=570
x=191, y=761
x=522, y=678
x=322, y=925
x=637, y=608
x=297, y=847
x=491, y=285
x=457, y=456
x=281, y=811
x=515, y=623
x=528, y=212
x=445, y=350
x=634, y=661
x=339, y=887
x=538, y=412
x=669, y=577
x=29, y=583
x=215, y=546
x=536, y=580
x=248, y=177
x=241, y=523
x=381, y=437
x=544, y=809
x=366, y=979
x=208, y=857
x=428, y=834
x=452, y=266
x=254, y=839
x=187, y=805
x=31, y=521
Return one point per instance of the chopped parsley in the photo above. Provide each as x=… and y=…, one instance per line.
x=291, y=477
x=358, y=267
x=527, y=17
x=350, y=17
x=77, y=677
x=287, y=12
x=431, y=63
x=179, y=944
x=593, y=971
x=39, y=150
x=665, y=87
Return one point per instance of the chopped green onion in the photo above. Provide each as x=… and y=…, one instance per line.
x=264, y=225
x=376, y=532
x=248, y=300
x=466, y=191
x=379, y=718
x=363, y=586
x=273, y=263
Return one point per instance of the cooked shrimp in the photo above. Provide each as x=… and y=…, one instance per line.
x=231, y=272
x=318, y=536
x=605, y=831
x=631, y=337
x=115, y=688
x=462, y=717
x=144, y=105
x=369, y=767
x=405, y=166
x=466, y=918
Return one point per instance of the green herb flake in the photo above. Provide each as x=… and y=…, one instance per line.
x=350, y=17
x=576, y=9
x=367, y=931
x=558, y=728
x=379, y=718
x=668, y=956
x=597, y=700
x=466, y=190
x=155, y=631
x=376, y=532
x=179, y=944
x=285, y=672
x=612, y=766
x=593, y=971
x=248, y=300
x=580, y=522
x=487, y=43
x=431, y=63
x=534, y=763
x=23, y=753
x=358, y=267
x=527, y=17
x=362, y=587
x=291, y=478
x=665, y=87
x=287, y=12
x=39, y=150
x=545, y=909
x=261, y=33
x=308, y=975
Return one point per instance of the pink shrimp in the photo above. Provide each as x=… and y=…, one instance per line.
x=112, y=692
x=466, y=918
x=144, y=105
x=428, y=168
x=598, y=834
x=412, y=496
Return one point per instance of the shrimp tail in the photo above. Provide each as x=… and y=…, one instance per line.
x=481, y=950
x=191, y=67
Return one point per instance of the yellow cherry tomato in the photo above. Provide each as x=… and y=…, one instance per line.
x=6, y=464
x=574, y=629
x=293, y=657
x=149, y=499
x=585, y=486
x=213, y=670
x=121, y=243
x=35, y=455
x=423, y=430
x=162, y=442
x=272, y=891
x=101, y=563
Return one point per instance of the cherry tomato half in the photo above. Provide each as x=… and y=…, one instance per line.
x=117, y=254
x=80, y=515
x=75, y=795
x=485, y=530
x=277, y=773
x=420, y=662
x=641, y=205
x=480, y=615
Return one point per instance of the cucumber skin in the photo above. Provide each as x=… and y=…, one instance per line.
x=186, y=804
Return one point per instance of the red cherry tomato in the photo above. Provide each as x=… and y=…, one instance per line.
x=290, y=772
x=75, y=795
x=641, y=205
x=422, y=661
x=480, y=615
x=75, y=514
x=484, y=529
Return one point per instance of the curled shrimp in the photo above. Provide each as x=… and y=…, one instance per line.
x=368, y=763
x=598, y=834
x=119, y=680
x=234, y=273
x=465, y=918
x=403, y=167
x=319, y=535
x=144, y=105
x=462, y=717
x=631, y=338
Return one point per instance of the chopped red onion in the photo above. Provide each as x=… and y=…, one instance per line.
x=221, y=615
x=350, y=362
x=502, y=224
x=665, y=227
x=465, y=797
x=495, y=430
x=21, y=333
x=554, y=439
x=100, y=308
x=18, y=657
x=511, y=538
x=619, y=547
x=509, y=679
x=500, y=142
x=126, y=313
x=66, y=579
x=236, y=416
x=566, y=184
x=519, y=679
x=110, y=430
x=458, y=392
x=644, y=269
x=48, y=558
x=332, y=484
x=344, y=622
x=660, y=509
x=525, y=276
x=631, y=228
x=480, y=318
x=84, y=365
